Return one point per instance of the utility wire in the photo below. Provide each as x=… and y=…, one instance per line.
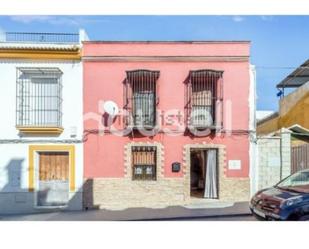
x=281, y=67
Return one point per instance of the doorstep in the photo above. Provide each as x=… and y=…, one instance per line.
x=201, y=203
x=209, y=208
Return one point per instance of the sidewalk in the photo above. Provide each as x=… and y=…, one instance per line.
x=137, y=214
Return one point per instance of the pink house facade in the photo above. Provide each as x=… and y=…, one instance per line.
x=167, y=123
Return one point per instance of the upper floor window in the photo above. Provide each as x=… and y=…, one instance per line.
x=38, y=97
x=141, y=98
x=203, y=97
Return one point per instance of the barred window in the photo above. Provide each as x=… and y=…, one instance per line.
x=38, y=97
x=204, y=92
x=141, y=97
x=144, y=162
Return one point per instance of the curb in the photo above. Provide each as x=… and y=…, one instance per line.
x=192, y=217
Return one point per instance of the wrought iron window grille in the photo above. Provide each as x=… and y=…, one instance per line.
x=144, y=165
x=141, y=98
x=38, y=97
x=203, y=99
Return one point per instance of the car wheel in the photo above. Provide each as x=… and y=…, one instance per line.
x=304, y=218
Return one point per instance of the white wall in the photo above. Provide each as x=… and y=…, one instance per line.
x=261, y=114
x=72, y=96
x=15, y=156
x=274, y=159
x=14, y=197
x=252, y=128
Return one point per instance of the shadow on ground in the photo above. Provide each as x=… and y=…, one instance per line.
x=236, y=212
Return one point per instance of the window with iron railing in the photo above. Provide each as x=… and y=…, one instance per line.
x=144, y=163
x=38, y=97
x=141, y=98
x=204, y=99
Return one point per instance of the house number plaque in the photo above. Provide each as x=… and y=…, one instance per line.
x=175, y=167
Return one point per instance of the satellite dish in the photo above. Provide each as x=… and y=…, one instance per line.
x=111, y=108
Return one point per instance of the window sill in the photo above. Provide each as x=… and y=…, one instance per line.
x=140, y=127
x=144, y=180
x=201, y=127
x=39, y=130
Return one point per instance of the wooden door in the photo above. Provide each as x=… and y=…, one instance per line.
x=53, y=166
x=53, y=179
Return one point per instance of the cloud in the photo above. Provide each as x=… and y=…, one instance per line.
x=267, y=18
x=238, y=18
x=30, y=19
x=57, y=20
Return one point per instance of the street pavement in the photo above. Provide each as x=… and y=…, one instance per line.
x=236, y=212
x=97, y=216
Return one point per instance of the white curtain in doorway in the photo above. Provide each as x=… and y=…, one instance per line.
x=211, y=191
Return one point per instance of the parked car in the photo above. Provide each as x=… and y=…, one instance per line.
x=287, y=200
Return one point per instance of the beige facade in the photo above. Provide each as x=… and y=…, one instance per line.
x=293, y=110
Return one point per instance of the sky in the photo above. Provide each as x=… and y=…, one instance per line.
x=279, y=44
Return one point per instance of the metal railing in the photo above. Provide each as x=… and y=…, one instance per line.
x=24, y=37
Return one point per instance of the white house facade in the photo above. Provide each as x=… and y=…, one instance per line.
x=41, y=131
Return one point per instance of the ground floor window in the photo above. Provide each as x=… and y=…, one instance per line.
x=144, y=163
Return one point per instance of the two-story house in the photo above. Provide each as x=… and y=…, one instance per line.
x=167, y=123
x=41, y=162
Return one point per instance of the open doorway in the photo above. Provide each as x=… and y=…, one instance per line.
x=204, y=173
